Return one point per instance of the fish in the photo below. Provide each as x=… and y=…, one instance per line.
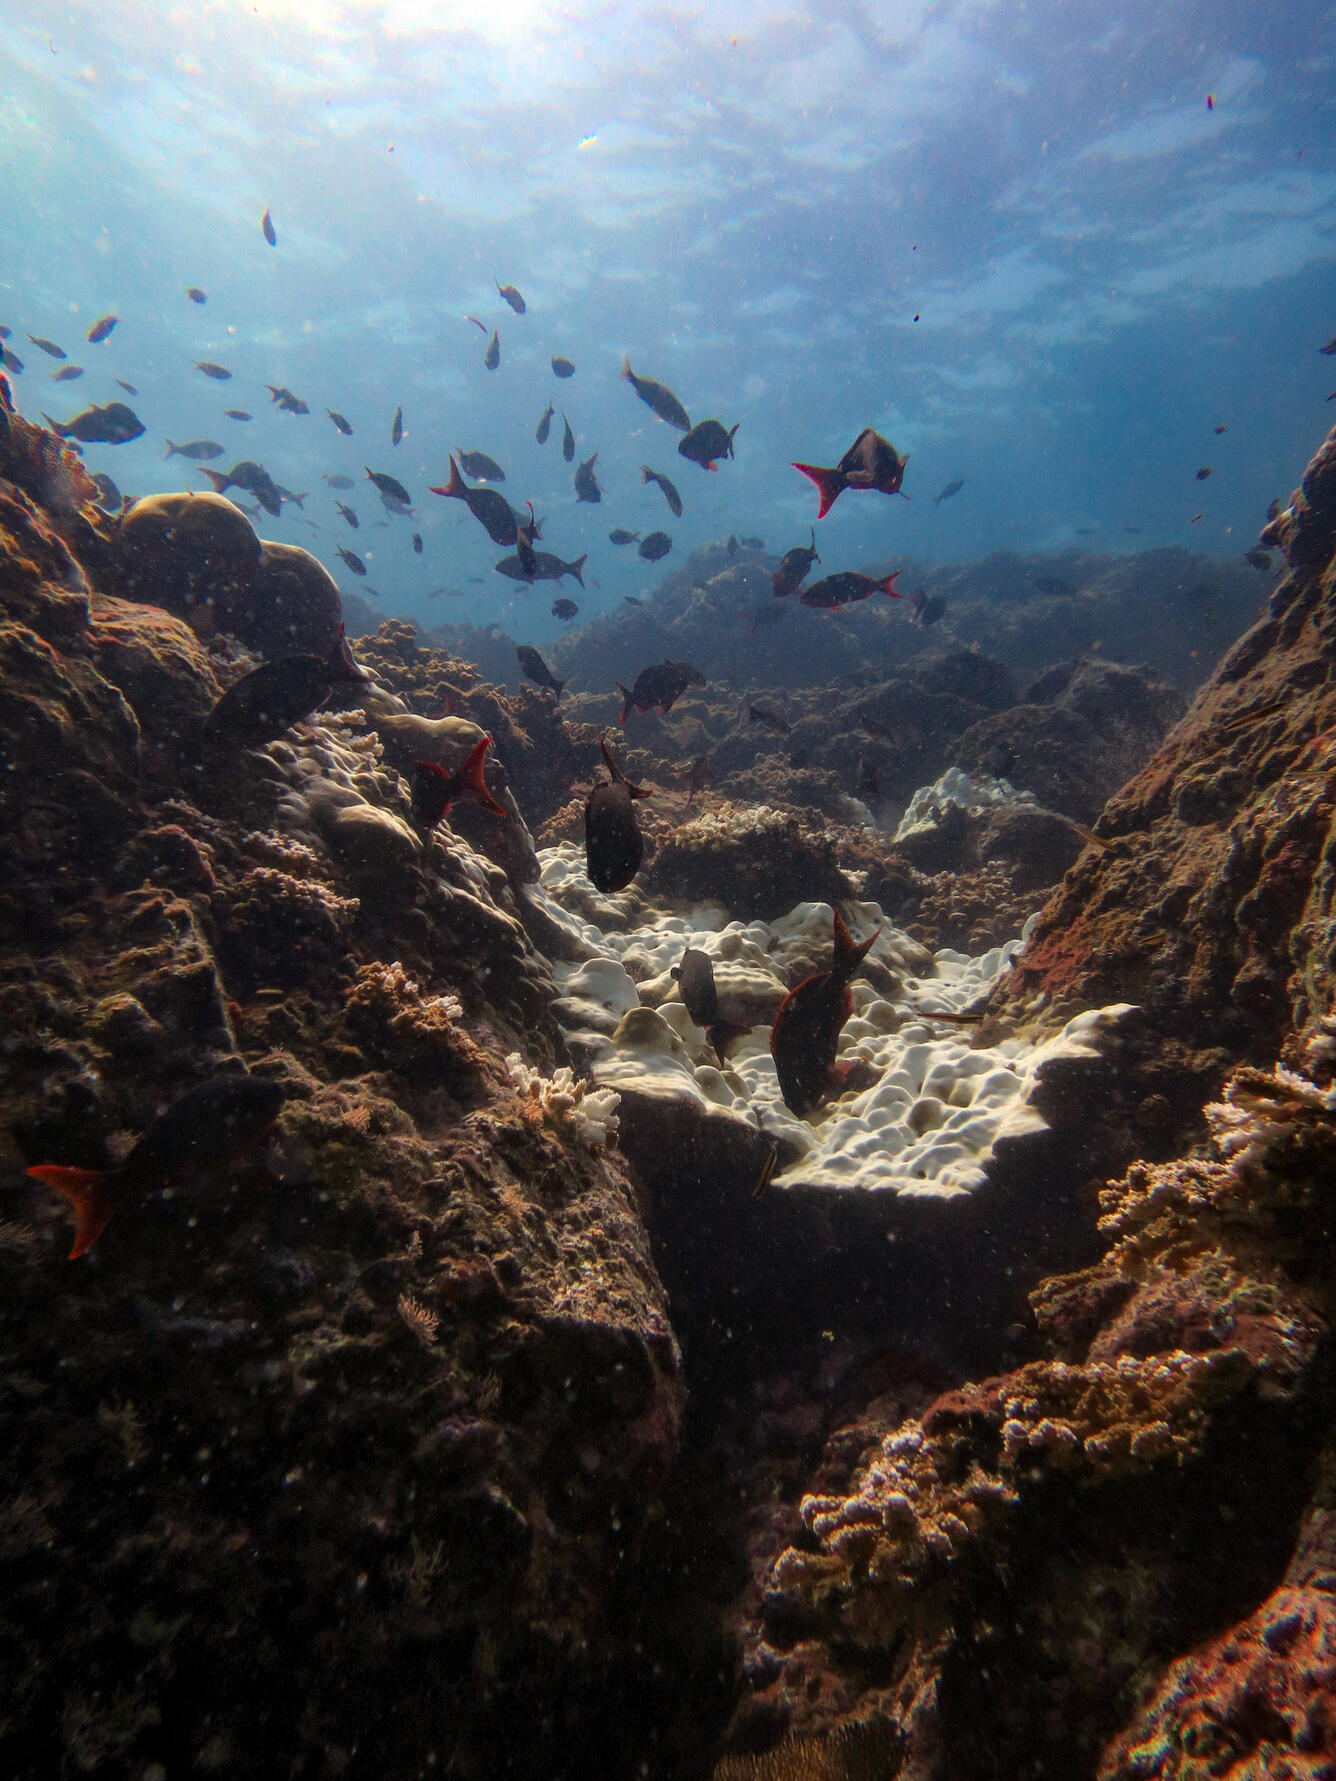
x=276, y=695
x=67, y=374
x=871, y=463
x=479, y=466
x=1053, y=584
x=845, y=588
x=417, y=544
x=252, y=477
x=537, y=670
x=633, y=600
x=341, y=421
x=1203, y=473
x=389, y=485
x=236, y=414
x=492, y=357
x=658, y=688
x=49, y=346
x=219, y=373
x=952, y=488
x=106, y=488
x=348, y=515
x=353, y=561
x=210, y=1128
x=874, y=726
x=435, y=789
x=1223, y=427
x=618, y=536
x=767, y=1173
x=544, y=567
x=476, y=322
x=114, y=424
x=794, y=568
x=564, y=609
x=288, y=403
x=658, y=397
x=806, y=1031
x=732, y=546
x=568, y=442
x=656, y=545
x=544, y=426
x=198, y=449
x=267, y=229
x=511, y=296
x=488, y=506
x=1088, y=835
x=614, y=846
x=12, y=362
x=928, y=608
x=586, y=483
x=1329, y=348
x=129, y=388
x=196, y=295
x=1260, y=559
x=562, y=367
x=697, y=776
x=760, y=714
x=869, y=780
x=397, y=426
x=694, y=978
x=1242, y=721
x=101, y=329
x=670, y=494
x=706, y=442
x=525, y=554
x=287, y=495
x=337, y=481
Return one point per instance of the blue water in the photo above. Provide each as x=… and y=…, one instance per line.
x=1016, y=240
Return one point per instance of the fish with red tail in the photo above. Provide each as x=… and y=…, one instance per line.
x=435, y=789
x=700, y=996
x=845, y=588
x=871, y=463
x=806, y=1031
x=206, y=1131
x=614, y=846
x=794, y=568
x=488, y=506
x=658, y=688
x=707, y=442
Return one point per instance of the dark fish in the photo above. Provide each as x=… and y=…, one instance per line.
x=564, y=609
x=106, y=488
x=206, y=1131
x=476, y=322
x=67, y=374
x=196, y=295
x=614, y=846
x=658, y=688
x=928, y=608
x=48, y=346
x=952, y=488
x=114, y=424
x=1053, y=584
x=767, y=1173
x=537, y=670
x=544, y=567
x=1329, y=348
x=417, y=544
x=586, y=483
x=871, y=462
x=874, y=726
x=337, y=482
x=278, y=694
x=1223, y=427
x=563, y=367
x=287, y=495
x=806, y=1031
x=670, y=494
x=129, y=388
x=706, y=442
x=525, y=554
x=389, y=485
x=658, y=397
x=488, y=506
x=697, y=776
x=633, y=600
x=12, y=362
x=657, y=545
x=397, y=427
x=492, y=357
x=732, y=545
x=754, y=543
x=694, y=978
x=844, y=589
x=435, y=789
x=344, y=425
x=544, y=425
x=794, y=568
x=568, y=442
x=758, y=714
x=219, y=373
x=618, y=536
x=1260, y=559
x=267, y=228
x=1203, y=473
x=254, y=478
x=348, y=515
x=236, y=414
x=353, y=561
x=288, y=403
x=101, y=329
x=479, y=466
x=512, y=297
x=869, y=780
x=199, y=449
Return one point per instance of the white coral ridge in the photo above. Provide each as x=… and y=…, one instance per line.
x=1260, y=1112
x=590, y=1115
x=930, y=802
x=932, y=1120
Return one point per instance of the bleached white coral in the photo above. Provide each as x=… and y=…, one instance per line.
x=1260, y=1111
x=980, y=792
x=572, y=1107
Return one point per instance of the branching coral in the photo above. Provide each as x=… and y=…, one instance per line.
x=572, y=1108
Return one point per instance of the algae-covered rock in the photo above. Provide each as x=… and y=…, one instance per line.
x=292, y=606
x=195, y=555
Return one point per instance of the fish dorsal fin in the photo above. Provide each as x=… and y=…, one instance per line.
x=618, y=777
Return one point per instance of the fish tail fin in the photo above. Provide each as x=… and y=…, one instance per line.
x=829, y=484
x=722, y=1034
x=888, y=586
x=472, y=776
x=619, y=778
x=171, y=450
x=849, y=953
x=731, y=433
x=60, y=431
x=626, y=705
x=812, y=530
x=646, y=474
x=455, y=487
x=713, y=466
x=557, y=688
x=342, y=663
x=216, y=477
x=626, y=374
x=86, y=1190
x=577, y=570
